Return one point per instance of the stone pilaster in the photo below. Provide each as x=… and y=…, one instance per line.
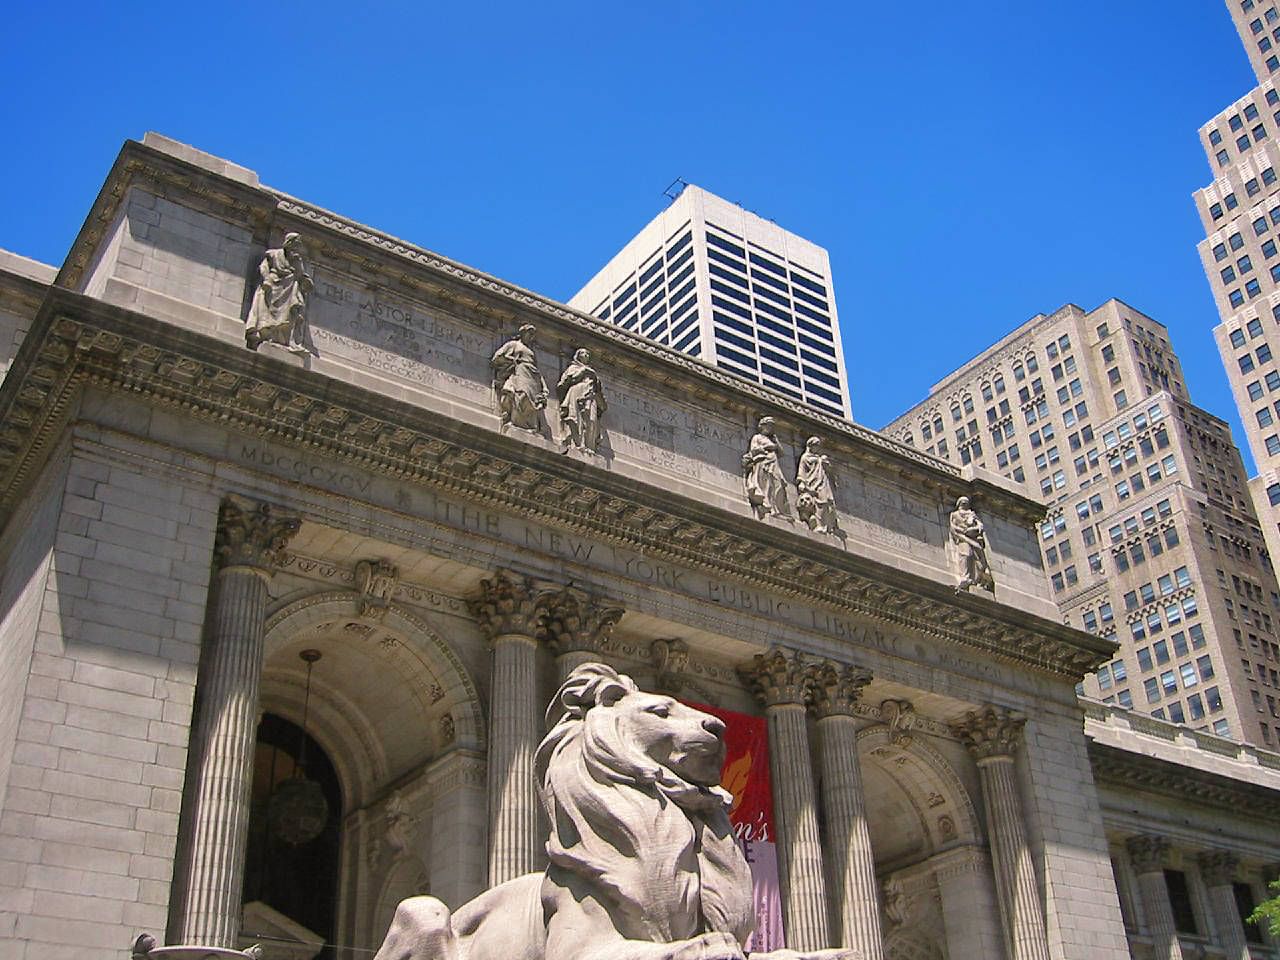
x=1149, y=854
x=835, y=693
x=782, y=684
x=508, y=611
x=250, y=539
x=579, y=628
x=1218, y=869
x=992, y=736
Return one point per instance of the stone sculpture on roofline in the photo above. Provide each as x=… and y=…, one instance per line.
x=618, y=765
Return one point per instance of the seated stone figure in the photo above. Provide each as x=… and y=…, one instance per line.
x=643, y=863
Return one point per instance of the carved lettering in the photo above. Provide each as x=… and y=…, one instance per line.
x=286, y=464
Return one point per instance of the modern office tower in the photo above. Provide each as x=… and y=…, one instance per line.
x=715, y=281
x=1240, y=211
x=1150, y=537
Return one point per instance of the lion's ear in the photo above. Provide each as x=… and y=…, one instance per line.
x=589, y=685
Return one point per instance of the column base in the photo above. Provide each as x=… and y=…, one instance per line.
x=145, y=948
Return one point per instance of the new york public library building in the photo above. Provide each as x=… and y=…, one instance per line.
x=303, y=527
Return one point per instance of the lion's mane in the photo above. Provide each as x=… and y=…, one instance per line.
x=657, y=851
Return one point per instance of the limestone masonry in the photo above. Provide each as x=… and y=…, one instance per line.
x=302, y=526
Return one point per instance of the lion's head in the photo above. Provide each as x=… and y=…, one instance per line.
x=630, y=782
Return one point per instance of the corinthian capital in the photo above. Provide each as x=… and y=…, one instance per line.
x=776, y=678
x=990, y=732
x=508, y=605
x=836, y=689
x=251, y=534
x=1218, y=867
x=578, y=622
x=1148, y=852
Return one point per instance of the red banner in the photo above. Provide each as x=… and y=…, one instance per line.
x=746, y=776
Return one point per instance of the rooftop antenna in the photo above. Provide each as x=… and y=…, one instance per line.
x=674, y=189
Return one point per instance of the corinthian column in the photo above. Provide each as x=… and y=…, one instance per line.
x=1148, y=854
x=992, y=737
x=509, y=613
x=579, y=628
x=781, y=683
x=250, y=540
x=1219, y=871
x=835, y=693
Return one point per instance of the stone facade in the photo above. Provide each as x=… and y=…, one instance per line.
x=183, y=516
x=1150, y=538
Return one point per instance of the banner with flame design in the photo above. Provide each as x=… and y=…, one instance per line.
x=746, y=776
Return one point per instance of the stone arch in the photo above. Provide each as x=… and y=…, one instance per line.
x=943, y=810
x=428, y=677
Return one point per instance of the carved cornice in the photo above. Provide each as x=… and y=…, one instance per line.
x=836, y=689
x=251, y=534
x=777, y=678
x=508, y=605
x=576, y=622
x=991, y=732
x=1149, y=853
x=1129, y=772
x=205, y=379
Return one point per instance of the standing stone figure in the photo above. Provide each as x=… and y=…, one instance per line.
x=970, y=541
x=279, y=310
x=518, y=386
x=762, y=473
x=581, y=404
x=816, y=487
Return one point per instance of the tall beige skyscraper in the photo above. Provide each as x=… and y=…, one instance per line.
x=1150, y=537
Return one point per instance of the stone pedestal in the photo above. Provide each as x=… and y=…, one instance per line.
x=782, y=685
x=852, y=865
x=992, y=736
x=1219, y=872
x=250, y=539
x=1148, y=854
x=508, y=612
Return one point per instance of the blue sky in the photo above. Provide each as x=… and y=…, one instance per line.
x=967, y=165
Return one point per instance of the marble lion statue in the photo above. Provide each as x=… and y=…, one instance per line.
x=642, y=860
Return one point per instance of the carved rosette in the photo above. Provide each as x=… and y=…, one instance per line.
x=1218, y=868
x=991, y=733
x=835, y=689
x=508, y=605
x=252, y=534
x=577, y=623
x=1148, y=852
x=778, y=679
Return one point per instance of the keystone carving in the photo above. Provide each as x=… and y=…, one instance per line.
x=777, y=679
x=835, y=690
x=252, y=534
x=990, y=732
x=901, y=718
x=376, y=581
x=670, y=660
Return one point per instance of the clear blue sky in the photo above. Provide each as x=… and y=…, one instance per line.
x=967, y=165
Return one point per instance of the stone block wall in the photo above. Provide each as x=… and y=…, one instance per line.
x=91, y=814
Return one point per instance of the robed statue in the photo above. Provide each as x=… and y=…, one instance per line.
x=816, y=489
x=518, y=387
x=279, y=310
x=969, y=540
x=766, y=487
x=581, y=404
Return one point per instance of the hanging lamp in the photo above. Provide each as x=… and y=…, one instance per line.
x=297, y=811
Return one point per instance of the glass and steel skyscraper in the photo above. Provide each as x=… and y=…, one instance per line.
x=715, y=281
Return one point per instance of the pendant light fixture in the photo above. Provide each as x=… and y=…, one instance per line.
x=297, y=811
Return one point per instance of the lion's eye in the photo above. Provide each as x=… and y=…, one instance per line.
x=660, y=710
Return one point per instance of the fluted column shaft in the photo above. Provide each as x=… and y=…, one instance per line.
x=992, y=736
x=1218, y=870
x=248, y=543
x=1148, y=856
x=852, y=863
x=513, y=729
x=782, y=683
